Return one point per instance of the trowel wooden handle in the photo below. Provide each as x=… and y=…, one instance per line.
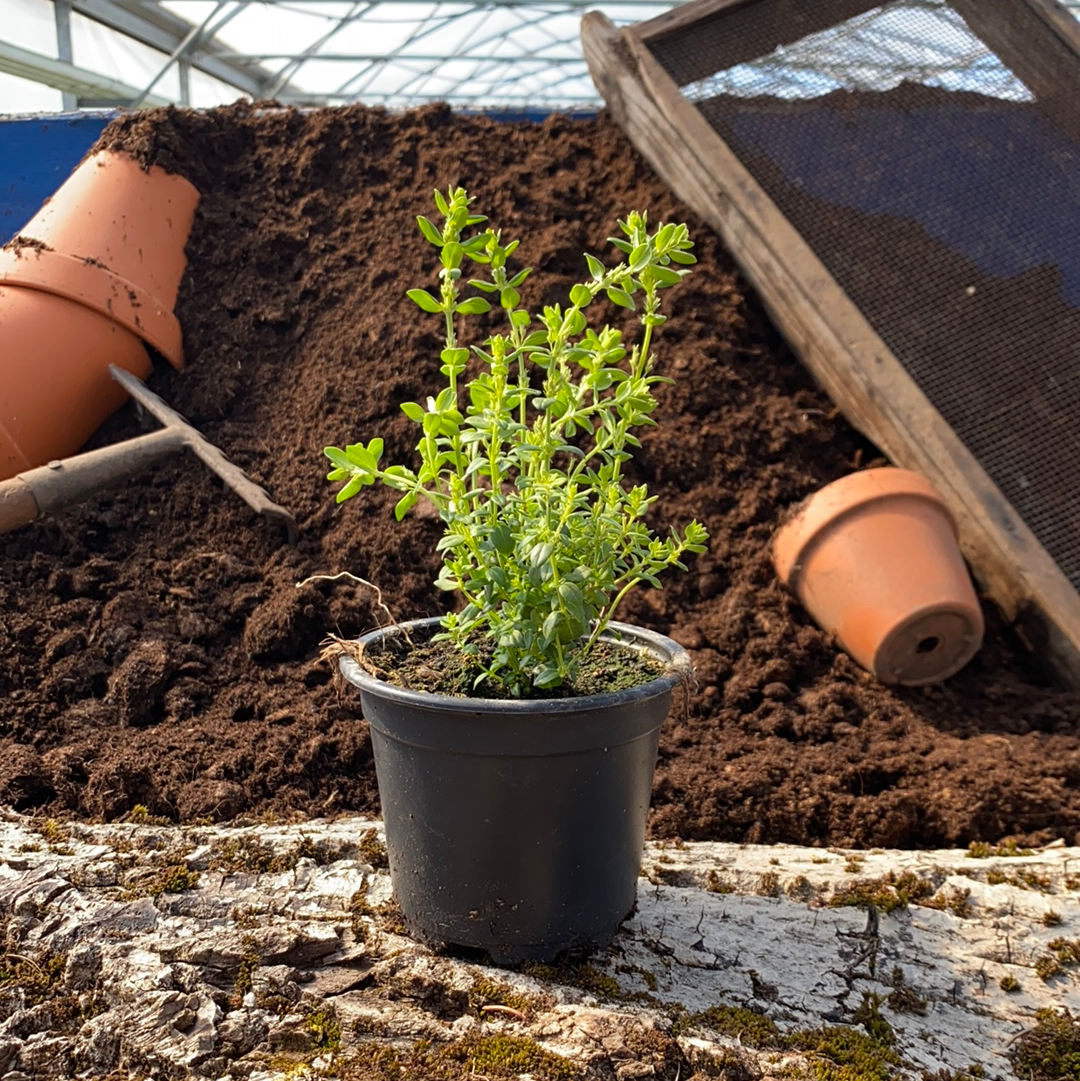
x=18, y=506
x=49, y=488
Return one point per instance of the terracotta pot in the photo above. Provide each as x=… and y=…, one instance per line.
x=99, y=279
x=874, y=558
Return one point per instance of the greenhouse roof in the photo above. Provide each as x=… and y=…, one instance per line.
x=521, y=55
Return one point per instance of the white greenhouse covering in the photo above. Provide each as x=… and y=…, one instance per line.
x=521, y=55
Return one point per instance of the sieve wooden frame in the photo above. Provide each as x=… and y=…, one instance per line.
x=817, y=317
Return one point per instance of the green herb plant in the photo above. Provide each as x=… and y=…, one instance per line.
x=525, y=462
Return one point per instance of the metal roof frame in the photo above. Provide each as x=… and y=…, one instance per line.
x=508, y=54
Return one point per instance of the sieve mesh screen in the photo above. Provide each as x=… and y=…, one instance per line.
x=941, y=189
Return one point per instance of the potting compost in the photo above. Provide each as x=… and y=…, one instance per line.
x=155, y=649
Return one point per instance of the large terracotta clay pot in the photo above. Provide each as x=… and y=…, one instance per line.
x=89, y=281
x=874, y=558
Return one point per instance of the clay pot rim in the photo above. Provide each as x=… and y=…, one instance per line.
x=98, y=288
x=828, y=505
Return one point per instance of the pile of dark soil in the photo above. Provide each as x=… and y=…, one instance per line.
x=155, y=649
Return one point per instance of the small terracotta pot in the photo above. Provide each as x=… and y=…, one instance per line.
x=874, y=558
x=90, y=278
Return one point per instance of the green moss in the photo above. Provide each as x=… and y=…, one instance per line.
x=768, y=884
x=1025, y=879
x=1047, y=967
x=980, y=850
x=495, y=1055
x=390, y=918
x=957, y=901
x=903, y=998
x=887, y=894
x=868, y=1014
x=842, y=1053
x=38, y=979
x=1064, y=953
x=1068, y=952
x=853, y=865
x=172, y=878
x=1009, y=984
x=248, y=855
x=799, y=889
x=837, y=1052
x=53, y=832
x=485, y=992
x=249, y=962
x=1051, y=918
x=324, y=1027
x=750, y=1028
x=140, y=815
x=56, y=836
x=372, y=850
x=583, y=976
x=360, y=910
x=715, y=884
x=1051, y=1050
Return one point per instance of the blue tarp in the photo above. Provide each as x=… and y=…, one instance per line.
x=36, y=155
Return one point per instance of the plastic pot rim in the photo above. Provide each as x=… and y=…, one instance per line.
x=659, y=646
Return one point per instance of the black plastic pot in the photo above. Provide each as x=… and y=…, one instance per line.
x=517, y=827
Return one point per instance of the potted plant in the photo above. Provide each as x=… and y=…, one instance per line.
x=515, y=738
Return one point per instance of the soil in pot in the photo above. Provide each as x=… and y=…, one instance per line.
x=155, y=650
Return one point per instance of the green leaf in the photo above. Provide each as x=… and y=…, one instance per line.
x=683, y=257
x=547, y=677
x=337, y=456
x=540, y=553
x=425, y=300
x=452, y=254
x=502, y=539
x=441, y=203
x=429, y=230
x=405, y=503
x=639, y=258
x=473, y=306
x=621, y=297
x=596, y=268
x=666, y=276
x=360, y=456
x=413, y=411
x=446, y=580
x=350, y=489
x=486, y=287
x=375, y=448
x=580, y=295
x=458, y=358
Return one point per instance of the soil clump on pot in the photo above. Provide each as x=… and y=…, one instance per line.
x=156, y=651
